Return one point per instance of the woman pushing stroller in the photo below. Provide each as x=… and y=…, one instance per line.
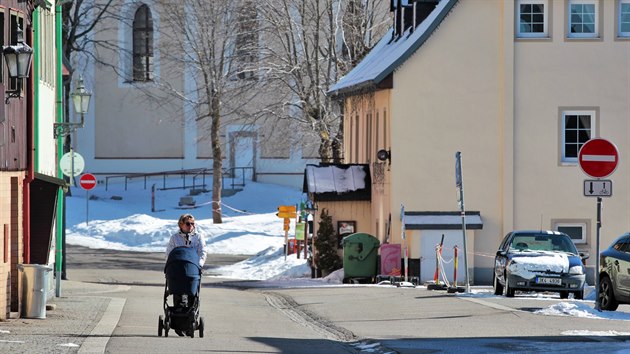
x=185, y=257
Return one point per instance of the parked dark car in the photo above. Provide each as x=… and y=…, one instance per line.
x=614, y=274
x=539, y=261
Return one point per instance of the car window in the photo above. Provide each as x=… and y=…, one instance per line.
x=503, y=245
x=542, y=243
x=625, y=246
x=619, y=245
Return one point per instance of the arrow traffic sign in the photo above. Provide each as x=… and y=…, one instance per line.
x=597, y=188
x=286, y=215
x=598, y=158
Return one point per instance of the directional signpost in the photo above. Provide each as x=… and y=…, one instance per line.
x=598, y=158
x=286, y=212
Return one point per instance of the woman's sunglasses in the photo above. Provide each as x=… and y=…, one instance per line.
x=188, y=223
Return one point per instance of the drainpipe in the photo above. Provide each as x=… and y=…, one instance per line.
x=31, y=124
x=60, y=199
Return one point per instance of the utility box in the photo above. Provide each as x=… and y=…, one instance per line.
x=35, y=281
x=359, y=257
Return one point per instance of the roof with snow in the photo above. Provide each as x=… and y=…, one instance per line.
x=442, y=220
x=338, y=182
x=389, y=53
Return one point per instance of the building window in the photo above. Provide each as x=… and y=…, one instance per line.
x=578, y=128
x=532, y=19
x=247, y=48
x=624, y=18
x=577, y=231
x=583, y=19
x=143, y=45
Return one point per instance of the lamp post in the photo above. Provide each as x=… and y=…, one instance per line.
x=18, y=58
x=81, y=102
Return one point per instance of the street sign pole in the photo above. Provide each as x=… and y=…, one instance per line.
x=599, y=226
x=598, y=158
x=87, y=206
x=459, y=183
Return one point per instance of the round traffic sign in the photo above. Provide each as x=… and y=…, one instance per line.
x=598, y=158
x=71, y=164
x=87, y=181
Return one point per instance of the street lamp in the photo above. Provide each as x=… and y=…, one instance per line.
x=18, y=58
x=81, y=100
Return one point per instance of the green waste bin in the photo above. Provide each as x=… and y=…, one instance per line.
x=35, y=281
x=359, y=256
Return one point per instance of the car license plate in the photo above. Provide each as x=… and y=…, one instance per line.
x=549, y=281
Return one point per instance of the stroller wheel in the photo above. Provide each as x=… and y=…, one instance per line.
x=160, y=325
x=167, y=327
x=201, y=326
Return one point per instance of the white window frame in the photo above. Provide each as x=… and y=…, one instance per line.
x=545, y=32
x=621, y=33
x=581, y=225
x=595, y=33
x=592, y=114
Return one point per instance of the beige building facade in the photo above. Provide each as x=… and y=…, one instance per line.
x=517, y=87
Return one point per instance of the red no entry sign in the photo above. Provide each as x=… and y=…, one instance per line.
x=598, y=158
x=87, y=181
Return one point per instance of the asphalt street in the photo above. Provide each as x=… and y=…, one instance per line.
x=112, y=301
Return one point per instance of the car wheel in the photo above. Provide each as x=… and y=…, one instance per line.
x=564, y=294
x=509, y=291
x=498, y=288
x=579, y=295
x=606, y=295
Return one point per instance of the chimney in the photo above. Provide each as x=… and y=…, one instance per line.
x=408, y=14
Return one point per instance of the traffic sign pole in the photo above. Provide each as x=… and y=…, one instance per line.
x=87, y=182
x=598, y=158
x=599, y=226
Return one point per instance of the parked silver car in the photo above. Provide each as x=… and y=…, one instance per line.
x=614, y=274
x=539, y=261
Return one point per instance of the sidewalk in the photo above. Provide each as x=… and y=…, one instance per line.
x=76, y=325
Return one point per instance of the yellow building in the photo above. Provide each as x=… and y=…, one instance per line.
x=517, y=87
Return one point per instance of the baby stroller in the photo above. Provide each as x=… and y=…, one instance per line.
x=183, y=280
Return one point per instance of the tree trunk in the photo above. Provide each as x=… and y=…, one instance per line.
x=217, y=159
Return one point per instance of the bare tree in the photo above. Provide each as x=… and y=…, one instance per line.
x=309, y=45
x=214, y=42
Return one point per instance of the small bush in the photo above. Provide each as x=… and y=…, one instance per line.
x=326, y=257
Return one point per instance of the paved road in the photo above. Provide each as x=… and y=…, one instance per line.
x=237, y=321
x=113, y=299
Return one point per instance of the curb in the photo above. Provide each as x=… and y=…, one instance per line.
x=97, y=340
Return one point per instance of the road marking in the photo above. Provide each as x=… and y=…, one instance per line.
x=96, y=342
x=489, y=304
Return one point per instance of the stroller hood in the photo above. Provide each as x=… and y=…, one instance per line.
x=182, y=270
